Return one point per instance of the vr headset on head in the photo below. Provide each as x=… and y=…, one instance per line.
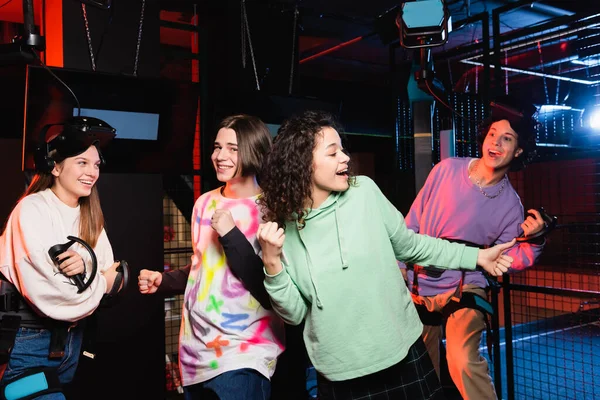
x=78, y=134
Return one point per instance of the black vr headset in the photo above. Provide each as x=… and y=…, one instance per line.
x=78, y=134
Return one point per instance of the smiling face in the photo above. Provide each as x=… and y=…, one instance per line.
x=500, y=146
x=330, y=166
x=76, y=176
x=225, y=155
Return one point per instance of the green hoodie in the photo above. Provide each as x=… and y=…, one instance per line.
x=340, y=274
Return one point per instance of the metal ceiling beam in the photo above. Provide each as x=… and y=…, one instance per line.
x=545, y=9
x=553, y=28
x=587, y=82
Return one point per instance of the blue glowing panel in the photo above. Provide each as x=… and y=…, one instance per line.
x=129, y=125
x=421, y=14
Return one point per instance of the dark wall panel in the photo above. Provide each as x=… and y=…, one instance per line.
x=13, y=181
x=117, y=31
x=12, y=98
x=130, y=347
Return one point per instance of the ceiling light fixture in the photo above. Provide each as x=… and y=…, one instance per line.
x=424, y=23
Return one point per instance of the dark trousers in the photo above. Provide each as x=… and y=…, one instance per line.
x=413, y=378
x=289, y=380
x=240, y=384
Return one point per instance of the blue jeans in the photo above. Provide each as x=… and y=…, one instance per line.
x=240, y=384
x=31, y=349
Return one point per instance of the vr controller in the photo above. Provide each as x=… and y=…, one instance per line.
x=58, y=249
x=549, y=224
x=121, y=280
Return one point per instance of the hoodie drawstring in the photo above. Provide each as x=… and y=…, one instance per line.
x=342, y=250
x=340, y=238
x=309, y=263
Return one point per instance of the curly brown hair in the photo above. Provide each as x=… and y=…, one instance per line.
x=286, y=179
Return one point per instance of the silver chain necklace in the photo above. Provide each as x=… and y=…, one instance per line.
x=478, y=183
x=89, y=38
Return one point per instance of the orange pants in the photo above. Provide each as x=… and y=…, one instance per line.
x=468, y=369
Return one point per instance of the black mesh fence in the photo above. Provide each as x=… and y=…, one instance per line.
x=177, y=254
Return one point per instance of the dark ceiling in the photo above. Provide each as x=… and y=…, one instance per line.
x=359, y=41
x=361, y=50
x=327, y=24
x=323, y=25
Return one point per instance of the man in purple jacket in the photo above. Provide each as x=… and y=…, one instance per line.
x=471, y=200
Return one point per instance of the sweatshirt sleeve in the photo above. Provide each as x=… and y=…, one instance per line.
x=421, y=249
x=104, y=252
x=245, y=264
x=413, y=218
x=29, y=233
x=286, y=298
x=174, y=282
x=524, y=254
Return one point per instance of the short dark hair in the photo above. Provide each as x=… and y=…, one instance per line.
x=522, y=119
x=253, y=140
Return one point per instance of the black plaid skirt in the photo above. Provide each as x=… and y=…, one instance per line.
x=412, y=379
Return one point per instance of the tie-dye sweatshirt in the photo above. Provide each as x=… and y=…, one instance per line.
x=223, y=327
